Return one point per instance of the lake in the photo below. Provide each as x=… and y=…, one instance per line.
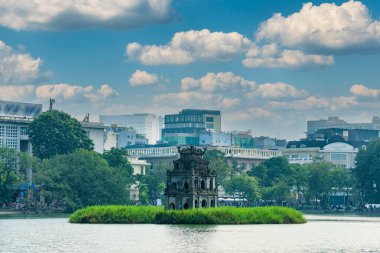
x=319, y=234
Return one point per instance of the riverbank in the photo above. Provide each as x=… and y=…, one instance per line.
x=342, y=213
x=157, y=215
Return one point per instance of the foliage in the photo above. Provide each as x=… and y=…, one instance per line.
x=155, y=181
x=218, y=162
x=276, y=168
x=13, y=166
x=221, y=215
x=367, y=172
x=117, y=158
x=244, y=186
x=81, y=179
x=54, y=132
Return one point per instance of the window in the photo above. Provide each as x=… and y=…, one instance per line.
x=1, y=142
x=1, y=131
x=11, y=131
x=303, y=146
x=293, y=146
x=11, y=143
x=338, y=157
x=209, y=119
x=23, y=130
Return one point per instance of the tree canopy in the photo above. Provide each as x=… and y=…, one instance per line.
x=55, y=132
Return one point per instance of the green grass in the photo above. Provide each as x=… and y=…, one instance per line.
x=157, y=215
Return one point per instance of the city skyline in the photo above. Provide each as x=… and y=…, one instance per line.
x=265, y=71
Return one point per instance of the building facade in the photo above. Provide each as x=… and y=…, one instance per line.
x=139, y=168
x=215, y=139
x=145, y=124
x=95, y=131
x=190, y=184
x=185, y=127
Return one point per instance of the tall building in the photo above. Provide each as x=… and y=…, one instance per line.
x=14, y=122
x=184, y=128
x=146, y=124
x=336, y=123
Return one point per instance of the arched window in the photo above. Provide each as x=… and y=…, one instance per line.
x=212, y=203
x=303, y=146
x=172, y=206
x=196, y=183
x=186, y=206
x=186, y=185
x=293, y=146
x=204, y=203
x=211, y=184
x=196, y=205
x=203, y=184
x=174, y=185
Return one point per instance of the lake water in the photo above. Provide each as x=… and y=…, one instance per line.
x=319, y=234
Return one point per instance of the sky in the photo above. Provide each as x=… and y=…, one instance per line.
x=268, y=65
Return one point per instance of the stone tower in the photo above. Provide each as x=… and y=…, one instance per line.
x=190, y=184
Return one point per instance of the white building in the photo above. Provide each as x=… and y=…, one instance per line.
x=216, y=139
x=301, y=155
x=95, y=132
x=14, y=122
x=146, y=124
x=340, y=154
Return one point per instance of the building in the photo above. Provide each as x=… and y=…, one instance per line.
x=145, y=124
x=122, y=137
x=190, y=184
x=185, y=127
x=243, y=139
x=265, y=142
x=215, y=139
x=14, y=123
x=95, y=131
x=139, y=168
x=336, y=123
x=341, y=154
x=301, y=155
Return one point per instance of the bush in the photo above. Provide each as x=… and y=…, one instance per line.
x=157, y=215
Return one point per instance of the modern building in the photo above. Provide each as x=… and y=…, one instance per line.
x=95, y=132
x=301, y=155
x=336, y=123
x=145, y=124
x=340, y=154
x=185, y=127
x=122, y=137
x=243, y=139
x=265, y=142
x=216, y=139
x=14, y=122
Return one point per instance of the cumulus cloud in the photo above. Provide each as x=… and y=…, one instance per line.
x=17, y=67
x=16, y=93
x=287, y=59
x=141, y=78
x=313, y=102
x=363, y=91
x=324, y=28
x=187, y=47
x=277, y=90
x=73, y=14
x=217, y=81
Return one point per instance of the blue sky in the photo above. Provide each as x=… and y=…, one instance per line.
x=266, y=72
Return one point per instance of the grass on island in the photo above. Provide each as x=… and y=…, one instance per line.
x=157, y=215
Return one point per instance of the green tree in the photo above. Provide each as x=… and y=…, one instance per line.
x=278, y=191
x=54, y=132
x=300, y=179
x=244, y=186
x=218, y=162
x=155, y=179
x=320, y=182
x=117, y=158
x=80, y=179
x=13, y=166
x=367, y=172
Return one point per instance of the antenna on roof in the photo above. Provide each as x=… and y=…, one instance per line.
x=51, y=102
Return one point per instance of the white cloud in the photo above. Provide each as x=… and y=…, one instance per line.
x=187, y=47
x=324, y=28
x=363, y=91
x=141, y=78
x=217, y=81
x=250, y=113
x=16, y=67
x=229, y=103
x=16, y=93
x=277, y=90
x=71, y=14
x=313, y=102
x=271, y=57
x=66, y=91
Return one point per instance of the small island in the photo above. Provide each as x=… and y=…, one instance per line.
x=158, y=215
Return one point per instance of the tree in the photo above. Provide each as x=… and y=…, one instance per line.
x=367, y=172
x=244, y=186
x=54, y=132
x=80, y=179
x=218, y=162
x=278, y=191
x=155, y=179
x=117, y=158
x=276, y=168
x=13, y=166
x=320, y=183
x=300, y=177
